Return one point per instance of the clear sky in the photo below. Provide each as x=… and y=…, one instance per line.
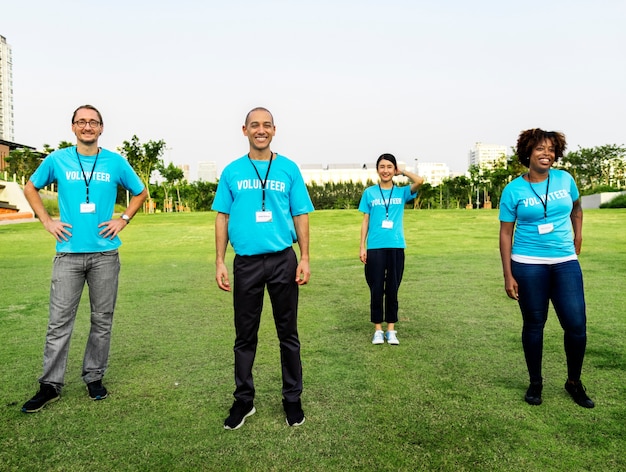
x=346, y=80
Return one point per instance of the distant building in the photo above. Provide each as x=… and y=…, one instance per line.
x=185, y=169
x=5, y=148
x=336, y=173
x=207, y=171
x=433, y=173
x=7, y=130
x=486, y=155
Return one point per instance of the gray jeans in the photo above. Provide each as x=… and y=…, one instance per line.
x=70, y=272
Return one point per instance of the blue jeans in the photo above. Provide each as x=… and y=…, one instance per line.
x=69, y=273
x=563, y=285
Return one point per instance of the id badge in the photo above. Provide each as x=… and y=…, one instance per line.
x=263, y=216
x=387, y=224
x=546, y=228
x=87, y=207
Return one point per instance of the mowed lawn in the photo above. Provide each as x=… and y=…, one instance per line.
x=449, y=397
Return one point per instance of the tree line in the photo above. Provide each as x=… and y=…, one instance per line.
x=595, y=170
x=598, y=169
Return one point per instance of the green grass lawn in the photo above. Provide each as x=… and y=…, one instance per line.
x=449, y=397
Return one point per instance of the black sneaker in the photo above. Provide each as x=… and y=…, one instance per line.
x=47, y=394
x=238, y=414
x=295, y=415
x=97, y=390
x=577, y=391
x=533, y=394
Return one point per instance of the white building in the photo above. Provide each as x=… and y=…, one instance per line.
x=433, y=173
x=486, y=155
x=207, y=171
x=185, y=169
x=7, y=130
x=336, y=173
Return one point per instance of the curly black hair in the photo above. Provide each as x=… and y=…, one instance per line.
x=530, y=138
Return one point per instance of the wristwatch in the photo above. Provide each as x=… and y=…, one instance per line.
x=126, y=218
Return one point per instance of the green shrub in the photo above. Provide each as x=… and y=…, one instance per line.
x=599, y=189
x=52, y=206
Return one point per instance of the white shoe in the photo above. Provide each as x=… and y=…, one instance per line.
x=391, y=338
x=378, y=338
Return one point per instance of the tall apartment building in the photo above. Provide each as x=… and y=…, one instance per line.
x=486, y=155
x=6, y=92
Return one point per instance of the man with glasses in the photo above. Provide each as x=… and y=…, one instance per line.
x=87, y=178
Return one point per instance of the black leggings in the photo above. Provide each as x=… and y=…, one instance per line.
x=383, y=273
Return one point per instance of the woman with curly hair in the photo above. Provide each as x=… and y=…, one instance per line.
x=539, y=211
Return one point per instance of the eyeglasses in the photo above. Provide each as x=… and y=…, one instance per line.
x=83, y=123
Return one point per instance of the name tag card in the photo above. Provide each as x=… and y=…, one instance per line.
x=545, y=229
x=87, y=207
x=387, y=224
x=263, y=216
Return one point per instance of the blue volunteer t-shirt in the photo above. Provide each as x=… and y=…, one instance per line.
x=110, y=170
x=523, y=205
x=240, y=195
x=374, y=203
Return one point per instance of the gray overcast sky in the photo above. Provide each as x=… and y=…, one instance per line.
x=345, y=80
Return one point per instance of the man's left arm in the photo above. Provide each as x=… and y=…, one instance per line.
x=303, y=272
x=112, y=227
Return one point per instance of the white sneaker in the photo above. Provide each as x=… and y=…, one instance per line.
x=378, y=338
x=391, y=338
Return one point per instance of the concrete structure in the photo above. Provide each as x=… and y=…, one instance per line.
x=486, y=155
x=590, y=202
x=13, y=203
x=7, y=130
x=207, y=171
